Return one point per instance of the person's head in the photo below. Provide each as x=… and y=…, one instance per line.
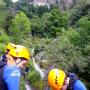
x=56, y=79
x=20, y=55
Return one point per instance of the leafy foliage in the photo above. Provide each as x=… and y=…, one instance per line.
x=4, y=39
x=61, y=51
x=62, y=33
x=20, y=27
x=22, y=84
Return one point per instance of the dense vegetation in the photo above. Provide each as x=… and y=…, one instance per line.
x=63, y=34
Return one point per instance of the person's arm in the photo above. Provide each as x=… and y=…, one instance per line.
x=2, y=64
x=12, y=78
x=79, y=85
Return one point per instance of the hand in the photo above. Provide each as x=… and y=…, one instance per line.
x=66, y=84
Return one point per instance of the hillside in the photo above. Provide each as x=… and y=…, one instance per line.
x=58, y=36
x=61, y=3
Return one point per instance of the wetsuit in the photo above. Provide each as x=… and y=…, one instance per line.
x=3, y=58
x=78, y=85
x=10, y=78
x=75, y=83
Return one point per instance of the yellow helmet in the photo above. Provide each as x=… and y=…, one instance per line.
x=20, y=51
x=10, y=46
x=56, y=79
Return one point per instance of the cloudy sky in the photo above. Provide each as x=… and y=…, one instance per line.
x=14, y=0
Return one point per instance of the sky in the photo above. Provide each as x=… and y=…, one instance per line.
x=14, y=1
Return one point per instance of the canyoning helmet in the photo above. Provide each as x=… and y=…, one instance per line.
x=10, y=46
x=56, y=79
x=20, y=51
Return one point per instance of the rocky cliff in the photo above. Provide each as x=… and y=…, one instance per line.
x=61, y=3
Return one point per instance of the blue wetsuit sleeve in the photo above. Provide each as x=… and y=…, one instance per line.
x=12, y=78
x=79, y=85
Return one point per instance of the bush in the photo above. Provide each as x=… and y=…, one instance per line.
x=33, y=77
x=22, y=84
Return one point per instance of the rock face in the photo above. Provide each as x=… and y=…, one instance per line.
x=62, y=3
x=27, y=86
x=68, y=3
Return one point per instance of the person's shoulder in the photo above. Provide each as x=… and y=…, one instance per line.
x=1, y=58
x=11, y=71
x=79, y=85
x=11, y=67
x=2, y=64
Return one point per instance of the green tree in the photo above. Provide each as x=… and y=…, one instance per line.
x=24, y=6
x=54, y=21
x=20, y=27
x=3, y=15
x=73, y=35
x=80, y=9
x=61, y=53
x=2, y=5
x=36, y=26
x=8, y=3
x=4, y=39
x=49, y=24
x=7, y=21
x=41, y=10
x=84, y=31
